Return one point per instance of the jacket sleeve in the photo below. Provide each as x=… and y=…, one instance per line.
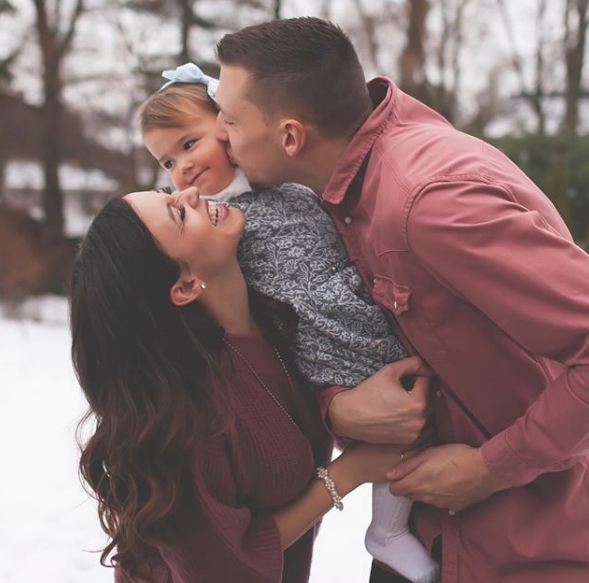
x=532, y=281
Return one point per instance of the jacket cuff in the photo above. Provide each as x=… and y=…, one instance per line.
x=325, y=396
x=506, y=466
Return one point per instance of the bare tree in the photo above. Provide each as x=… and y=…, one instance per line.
x=325, y=10
x=537, y=98
x=369, y=27
x=449, y=49
x=575, y=25
x=413, y=77
x=54, y=46
x=536, y=94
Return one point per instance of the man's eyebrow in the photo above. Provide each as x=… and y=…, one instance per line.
x=224, y=110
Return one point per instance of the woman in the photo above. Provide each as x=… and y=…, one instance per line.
x=204, y=454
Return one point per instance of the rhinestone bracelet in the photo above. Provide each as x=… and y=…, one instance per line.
x=330, y=485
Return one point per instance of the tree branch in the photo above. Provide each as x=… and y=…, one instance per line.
x=67, y=38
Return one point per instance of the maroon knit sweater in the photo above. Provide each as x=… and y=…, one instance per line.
x=225, y=533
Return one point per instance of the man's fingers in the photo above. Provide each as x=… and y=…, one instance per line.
x=412, y=365
x=404, y=487
x=410, y=463
x=420, y=389
x=406, y=367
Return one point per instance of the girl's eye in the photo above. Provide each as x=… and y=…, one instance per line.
x=189, y=144
x=167, y=164
x=182, y=212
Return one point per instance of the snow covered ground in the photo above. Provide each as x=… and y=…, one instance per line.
x=48, y=525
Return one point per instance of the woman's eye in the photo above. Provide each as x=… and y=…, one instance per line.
x=167, y=164
x=189, y=144
x=182, y=212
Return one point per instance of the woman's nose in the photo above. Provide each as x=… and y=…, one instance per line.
x=189, y=196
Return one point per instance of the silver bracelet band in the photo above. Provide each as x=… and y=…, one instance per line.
x=323, y=474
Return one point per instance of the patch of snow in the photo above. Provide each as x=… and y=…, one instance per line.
x=48, y=524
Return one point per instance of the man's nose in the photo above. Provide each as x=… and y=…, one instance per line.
x=221, y=130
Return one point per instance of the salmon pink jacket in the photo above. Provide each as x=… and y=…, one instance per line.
x=480, y=277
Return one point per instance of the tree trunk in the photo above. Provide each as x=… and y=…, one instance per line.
x=574, y=56
x=537, y=98
x=53, y=47
x=2, y=178
x=186, y=18
x=412, y=61
x=51, y=137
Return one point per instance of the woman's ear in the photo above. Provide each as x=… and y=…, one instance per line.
x=186, y=290
x=294, y=136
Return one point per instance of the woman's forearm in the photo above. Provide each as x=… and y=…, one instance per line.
x=297, y=517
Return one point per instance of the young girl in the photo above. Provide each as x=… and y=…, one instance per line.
x=290, y=251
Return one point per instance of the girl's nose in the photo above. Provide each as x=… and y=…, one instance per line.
x=187, y=165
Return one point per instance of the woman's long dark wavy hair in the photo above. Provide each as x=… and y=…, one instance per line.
x=147, y=369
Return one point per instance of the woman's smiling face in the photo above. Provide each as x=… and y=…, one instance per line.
x=199, y=234
x=192, y=154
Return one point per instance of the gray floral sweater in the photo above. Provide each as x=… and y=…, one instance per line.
x=292, y=252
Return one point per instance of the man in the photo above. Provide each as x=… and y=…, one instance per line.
x=479, y=276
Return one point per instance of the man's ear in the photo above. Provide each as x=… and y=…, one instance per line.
x=185, y=290
x=294, y=136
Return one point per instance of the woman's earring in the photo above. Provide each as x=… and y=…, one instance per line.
x=203, y=284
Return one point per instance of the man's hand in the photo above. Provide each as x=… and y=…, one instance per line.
x=451, y=477
x=380, y=410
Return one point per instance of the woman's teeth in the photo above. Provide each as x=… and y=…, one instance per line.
x=214, y=210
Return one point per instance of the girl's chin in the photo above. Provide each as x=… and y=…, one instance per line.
x=209, y=188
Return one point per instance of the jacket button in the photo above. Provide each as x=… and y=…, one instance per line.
x=347, y=220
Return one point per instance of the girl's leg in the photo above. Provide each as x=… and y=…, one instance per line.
x=389, y=540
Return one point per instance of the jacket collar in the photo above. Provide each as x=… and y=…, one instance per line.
x=351, y=160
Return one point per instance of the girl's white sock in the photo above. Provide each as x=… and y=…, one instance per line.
x=389, y=540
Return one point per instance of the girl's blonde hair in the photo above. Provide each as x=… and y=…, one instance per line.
x=175, y=107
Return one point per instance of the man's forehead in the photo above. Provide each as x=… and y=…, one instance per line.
x=233, y=83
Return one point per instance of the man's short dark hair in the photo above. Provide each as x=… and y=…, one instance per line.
x=305, y=66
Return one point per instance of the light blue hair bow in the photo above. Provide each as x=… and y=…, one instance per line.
x=191, y=73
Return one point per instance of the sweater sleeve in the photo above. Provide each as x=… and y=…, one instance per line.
x=533, y=283
x=218, y=538
x=214, y=538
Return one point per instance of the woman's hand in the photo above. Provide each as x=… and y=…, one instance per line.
x=364, y=462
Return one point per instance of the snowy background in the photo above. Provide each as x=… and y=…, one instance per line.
x=48, y=525
x=49, y=530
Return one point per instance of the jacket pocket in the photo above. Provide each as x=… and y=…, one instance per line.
x=393, y=296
